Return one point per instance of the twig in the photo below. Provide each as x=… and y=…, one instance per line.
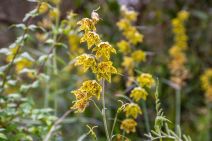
x=58, y=121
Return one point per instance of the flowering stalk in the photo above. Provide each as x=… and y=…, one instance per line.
x=179, y=72
x=100, y=65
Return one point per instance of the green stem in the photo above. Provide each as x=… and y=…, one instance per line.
x=123, y=135
x=114, y=123
x=104, y=112
x=146, y=117
x=178, y=109
x=208, y=137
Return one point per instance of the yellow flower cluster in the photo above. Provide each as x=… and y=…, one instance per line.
x=103, y=67
x=88, y=89
x=133, y=37
x=206, y=80
x=133, y=110
x=128, y=125
x=138, y=93
x=86, y=61
x=104, y=70
x=177, y=52
x=125, y=25
x=145, y=80
x=103, y=50
x=99, y=62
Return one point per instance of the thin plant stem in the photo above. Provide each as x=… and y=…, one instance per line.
x=103, y=111
x=123, y=135
x=96, y=106
x=146, y=117
x=58, y=121
x=208, y=137
x=114, y=123
x=178, y=109
x=46, y=98
x=13, y=60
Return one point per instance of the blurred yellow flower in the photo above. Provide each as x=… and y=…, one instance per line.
x=139, y=56
x=22, y=63
x=145, y=80
x=206, y=81
x=123, y=24
x=133, y=110
x=133, y=35
x=54, y=14
x=103, y=50
x=12, y=52
x=43, y=8
x=74, y=41
x=129, y=15
x=183, y=15
x=128, y=125
x=123, y=46
x=128, y=62
x=138, y=93
x=179, y=73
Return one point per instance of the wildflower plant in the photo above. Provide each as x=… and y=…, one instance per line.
x=99, y=63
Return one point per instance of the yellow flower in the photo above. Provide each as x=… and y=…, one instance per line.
x=12, y=52
x=88, y=89
x=123, y=24
x=103, y=50
x=80, y=105
x=56, y=1
x=206, y=79
x=128, y=62
x=128, y=125
x=139, y=56
x=183, y=15
x=87, y=24
x=22, y=63
x=74, y=41
x=145, y=80
x=43, y=8
x=138, y=93
x=129, y=15
x=54, y=14
x=133, y=35
x=123, y=46
x=133, y=110
x=104, y=70
x=86, y=61
x=80, y=94
x=179, y=73
x=119, y=137
x=92, y=88
x=91, y=38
